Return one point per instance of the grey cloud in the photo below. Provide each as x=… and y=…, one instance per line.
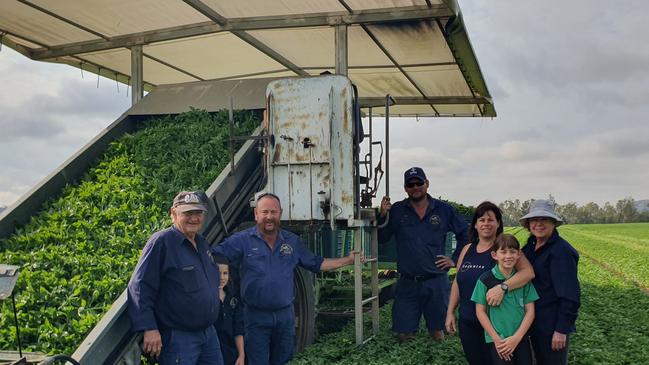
x=19, y=125
x=569, y=50
x=43, y=116
x=73, y=98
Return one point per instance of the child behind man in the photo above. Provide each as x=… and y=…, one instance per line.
x=230, y=325
x=506, y=325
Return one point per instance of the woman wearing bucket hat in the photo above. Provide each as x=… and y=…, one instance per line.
x=555, y=265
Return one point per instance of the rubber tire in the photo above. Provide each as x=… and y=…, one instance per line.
x=304, y=304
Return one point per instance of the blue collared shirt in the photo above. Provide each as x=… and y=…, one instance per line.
x=267, y=275
x=555, y=269
x=419, y=241
x=174, y=286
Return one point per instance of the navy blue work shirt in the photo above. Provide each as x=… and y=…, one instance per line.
x=174, y=286
x=230, y=325
x=419, y=241
x=267, y=275
x=556, y=282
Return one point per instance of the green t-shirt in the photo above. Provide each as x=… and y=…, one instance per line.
x=507, y=317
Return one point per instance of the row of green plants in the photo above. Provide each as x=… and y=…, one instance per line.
x=612, y=327
x=77, y=254
x=626, y=255
x=340, y=347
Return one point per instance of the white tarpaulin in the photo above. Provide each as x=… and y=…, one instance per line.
x=417, y=51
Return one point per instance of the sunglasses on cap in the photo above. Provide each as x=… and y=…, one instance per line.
x=412, y=184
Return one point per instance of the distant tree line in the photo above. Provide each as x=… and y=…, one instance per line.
x=624, y=211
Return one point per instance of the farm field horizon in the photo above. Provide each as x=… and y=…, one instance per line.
x=613, y=322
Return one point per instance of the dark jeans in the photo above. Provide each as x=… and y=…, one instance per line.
x=475, y=348
x=542, y=345
x=190, y=347
x=270, y=336
x=414, y=298
x=522, y=354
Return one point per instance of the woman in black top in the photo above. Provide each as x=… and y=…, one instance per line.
x=474, y=260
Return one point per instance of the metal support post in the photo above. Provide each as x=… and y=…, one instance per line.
x=137, y=69
x=20, y=345
x=358, y=285
x=231, y=140
x=375, y=279
x=341, y=49
x=387, y=145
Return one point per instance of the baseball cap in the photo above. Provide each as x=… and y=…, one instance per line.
x=190, y=200
x=414, y=173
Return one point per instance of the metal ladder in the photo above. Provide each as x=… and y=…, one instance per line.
x=367, y=220
x=361, y=228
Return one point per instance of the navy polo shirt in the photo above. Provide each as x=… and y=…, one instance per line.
x=556, y=282
x=267, y=275
x=419, y=241
x=174, y=286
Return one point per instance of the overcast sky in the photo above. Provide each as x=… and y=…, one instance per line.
x=568, y=80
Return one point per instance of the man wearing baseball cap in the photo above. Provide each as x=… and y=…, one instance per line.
x=419, y=225
x=172, y=295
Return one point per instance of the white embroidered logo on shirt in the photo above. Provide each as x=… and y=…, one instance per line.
x=286, y=249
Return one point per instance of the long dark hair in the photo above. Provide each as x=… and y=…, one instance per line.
x=480, y=210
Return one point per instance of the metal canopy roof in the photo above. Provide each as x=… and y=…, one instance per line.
x=417, y=51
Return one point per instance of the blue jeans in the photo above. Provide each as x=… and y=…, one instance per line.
x=190, y=347
x=270, y=336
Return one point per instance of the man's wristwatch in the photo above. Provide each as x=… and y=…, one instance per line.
x=504, y=287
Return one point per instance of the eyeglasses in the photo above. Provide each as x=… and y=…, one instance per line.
x=411, y=185
x=541, y=219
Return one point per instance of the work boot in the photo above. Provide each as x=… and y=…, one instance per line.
x=437, y=336
x=405, y=337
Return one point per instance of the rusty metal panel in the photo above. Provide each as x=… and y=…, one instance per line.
x=310, y=163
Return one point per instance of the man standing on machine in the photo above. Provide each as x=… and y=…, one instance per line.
x=419, y=225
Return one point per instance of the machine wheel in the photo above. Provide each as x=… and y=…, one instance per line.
x=304, y=309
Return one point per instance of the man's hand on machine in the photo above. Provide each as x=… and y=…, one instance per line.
x=352, y=255
x=385, y=205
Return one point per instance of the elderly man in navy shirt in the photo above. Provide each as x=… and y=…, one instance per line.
x=267, y=256
x=173, y=293
x=419, y=225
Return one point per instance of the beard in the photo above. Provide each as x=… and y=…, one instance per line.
x=265, y=230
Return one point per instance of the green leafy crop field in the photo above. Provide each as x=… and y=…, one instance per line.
x=613, y=323
x=77, y=254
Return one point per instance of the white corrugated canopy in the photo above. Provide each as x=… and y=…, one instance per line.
x=417, y=51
